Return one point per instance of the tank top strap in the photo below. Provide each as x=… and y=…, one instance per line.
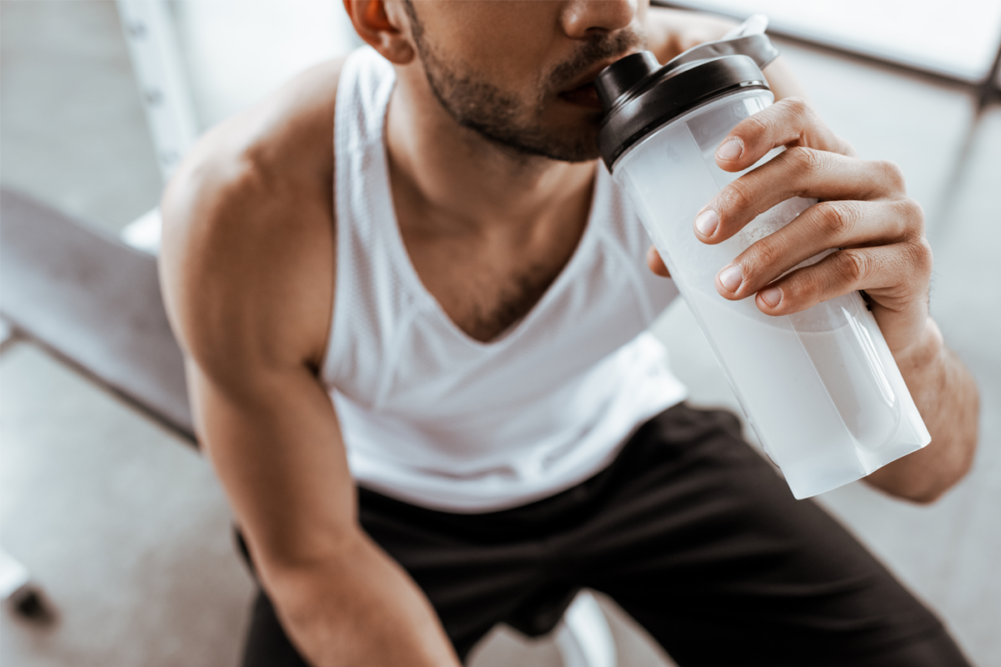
x=363, y=204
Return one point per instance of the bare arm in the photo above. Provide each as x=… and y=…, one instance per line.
x=247, y=267
x=946, y=395
x=277, y=450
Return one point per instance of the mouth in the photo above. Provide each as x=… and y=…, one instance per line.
x=582, y=91
x=584, y=96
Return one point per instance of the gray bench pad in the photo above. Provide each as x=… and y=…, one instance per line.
x=94, y=301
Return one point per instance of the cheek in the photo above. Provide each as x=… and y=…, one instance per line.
x=507, y=42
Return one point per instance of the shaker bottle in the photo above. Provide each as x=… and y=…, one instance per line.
x=819, y=388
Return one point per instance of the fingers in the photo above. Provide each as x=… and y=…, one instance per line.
x=656, y=264
x=798, y=172
x=788, y=122
x=897, y=275
x=864, y=214
x=832, y=224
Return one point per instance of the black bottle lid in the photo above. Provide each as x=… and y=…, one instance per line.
x=639, y=96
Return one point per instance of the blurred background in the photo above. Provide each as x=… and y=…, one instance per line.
x=122, y=525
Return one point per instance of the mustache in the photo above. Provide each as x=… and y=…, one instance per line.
x=602, y=47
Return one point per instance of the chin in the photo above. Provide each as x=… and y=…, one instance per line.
x=562, y=134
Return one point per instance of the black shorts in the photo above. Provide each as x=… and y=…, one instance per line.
x=690, y=532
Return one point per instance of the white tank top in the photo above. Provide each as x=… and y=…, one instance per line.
x=436, y=418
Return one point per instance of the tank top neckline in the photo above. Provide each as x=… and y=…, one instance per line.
x=397, y=247
x=431, y=416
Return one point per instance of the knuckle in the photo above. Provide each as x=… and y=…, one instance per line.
x=805, y=160
x=891, y=174
x=763, y=254
x=851, y=267
x=922, y=256
x=840, y=218
x=797, y=106
x=809, y=286
x=903, y=219
x=738, y=195
x=755, y=127
x=911, y=216
x=803, y=288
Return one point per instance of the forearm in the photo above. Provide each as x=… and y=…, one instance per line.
x=357, y=607
x=946, y=396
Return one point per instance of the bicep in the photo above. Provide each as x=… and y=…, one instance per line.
x=275, y=444
x=248, y=289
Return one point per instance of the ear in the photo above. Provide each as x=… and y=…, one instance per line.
x=385, y=34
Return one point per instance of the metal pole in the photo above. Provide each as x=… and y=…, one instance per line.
x=159, y=69
x=166, y=96
x=991, y=85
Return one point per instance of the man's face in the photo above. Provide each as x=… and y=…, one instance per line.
x=519, y=71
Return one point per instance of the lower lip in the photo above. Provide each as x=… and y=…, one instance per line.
x=585, y=96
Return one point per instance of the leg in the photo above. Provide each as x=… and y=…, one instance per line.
x=703, y=544
x=476, y=569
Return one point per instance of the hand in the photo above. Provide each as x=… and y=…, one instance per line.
x=865, y=213
x=863, y=210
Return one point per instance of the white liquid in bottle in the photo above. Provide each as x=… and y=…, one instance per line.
x=820, y=388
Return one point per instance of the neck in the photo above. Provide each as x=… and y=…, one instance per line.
x=461, y=181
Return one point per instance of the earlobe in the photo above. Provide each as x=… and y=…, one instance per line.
x=375, y=26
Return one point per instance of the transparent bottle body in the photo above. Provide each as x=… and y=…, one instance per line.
x=820, y=388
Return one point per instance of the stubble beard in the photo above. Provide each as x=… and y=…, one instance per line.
x=504, y=119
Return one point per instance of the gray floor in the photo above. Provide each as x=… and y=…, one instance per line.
x=126, y=528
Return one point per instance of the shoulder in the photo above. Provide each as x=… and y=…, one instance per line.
x=247, y=259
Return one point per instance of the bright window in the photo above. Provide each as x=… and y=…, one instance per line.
x=957, y=38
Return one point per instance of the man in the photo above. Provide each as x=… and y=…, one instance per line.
x=411, y=262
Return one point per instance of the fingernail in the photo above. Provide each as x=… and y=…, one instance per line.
x=731, y=150
x=772, y=296
x=706, y=222
x=731, y=278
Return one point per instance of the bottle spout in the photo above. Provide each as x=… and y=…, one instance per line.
x=747, y=39
x=622, y=75
x=754, y=25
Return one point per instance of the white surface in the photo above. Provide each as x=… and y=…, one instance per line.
x=958, y=37
x=149, y=32
x=143, y=233
x=13, y=575
x=755, y=24
x=583, y=636
x=239, y=50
